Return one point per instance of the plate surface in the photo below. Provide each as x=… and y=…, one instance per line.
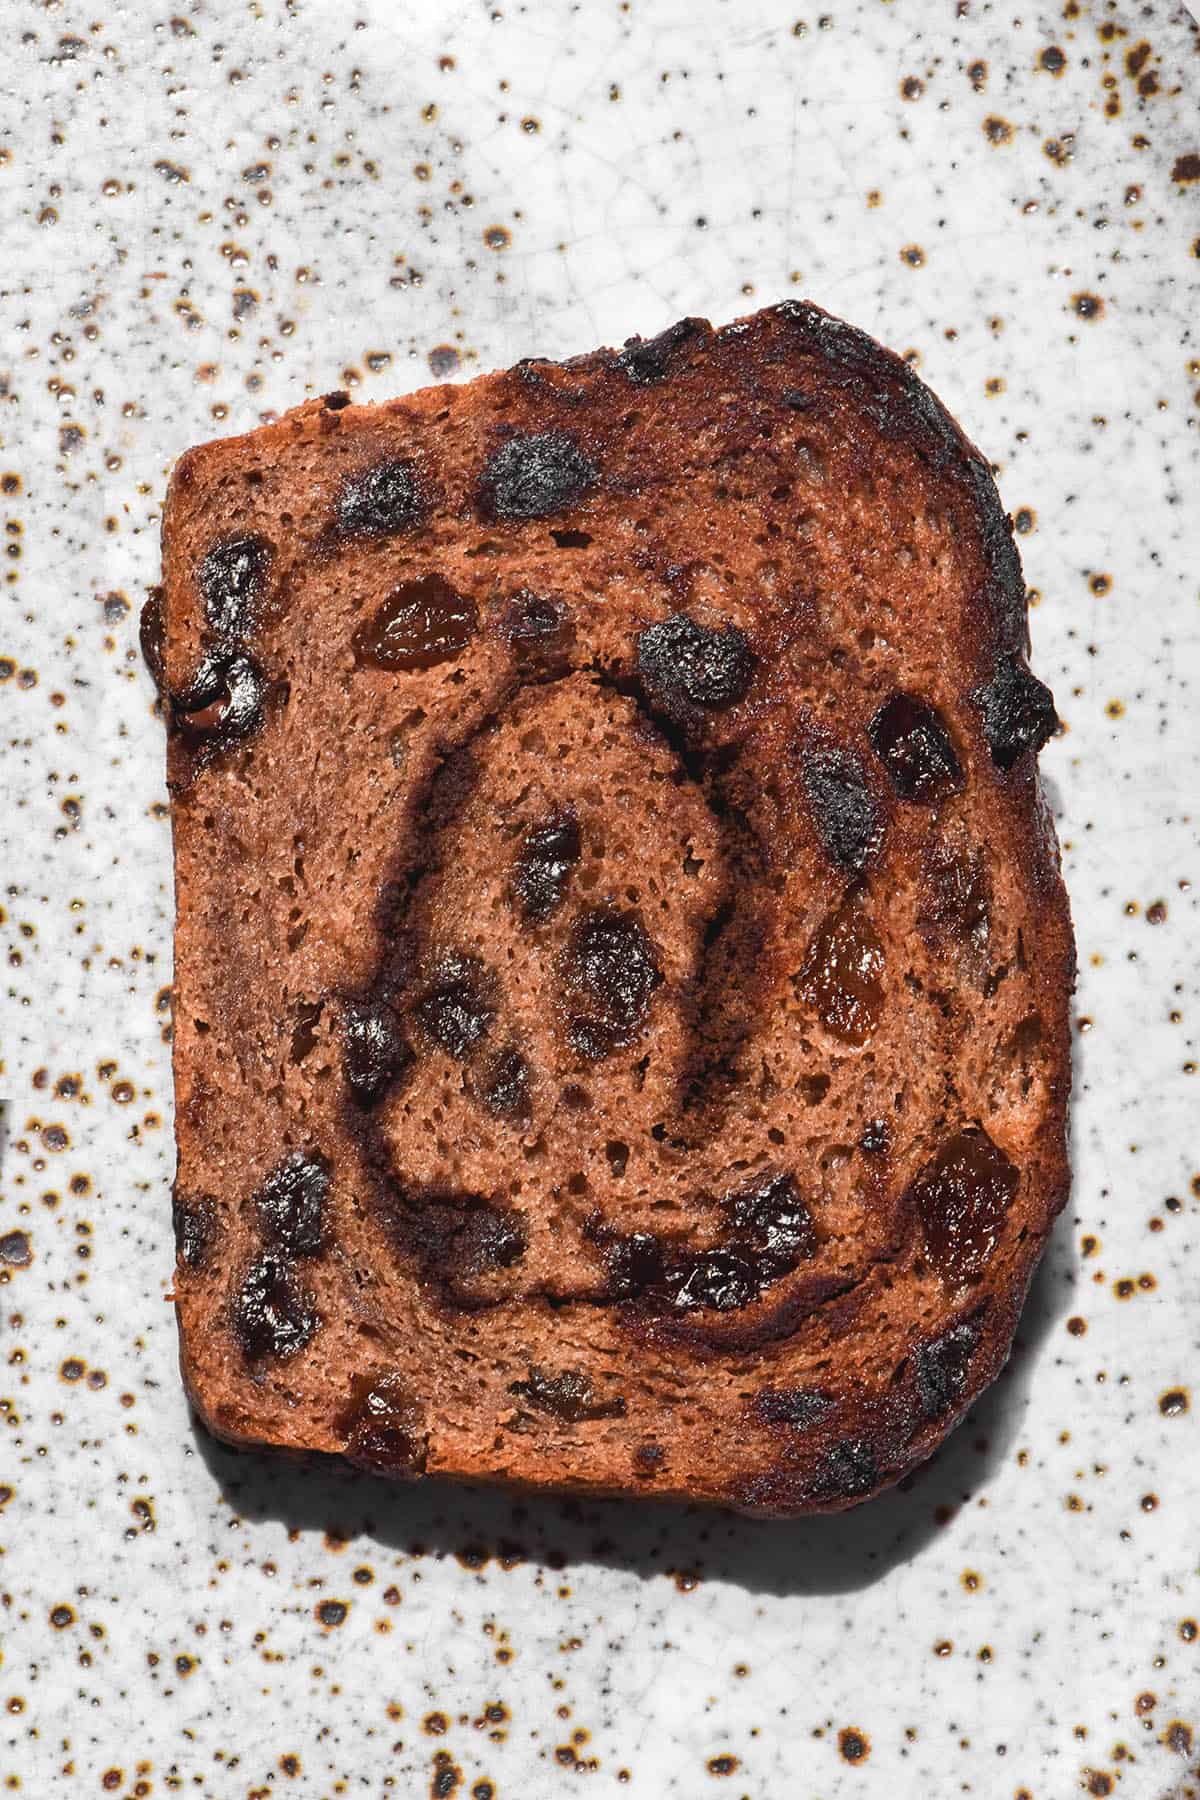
x=209, y=216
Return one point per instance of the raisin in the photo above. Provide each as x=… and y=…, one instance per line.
x=548, y=853
x=842, y=974
x=961, y=1198
x=458, y=1236
x=914, y=746
x=720, y=1279
x=382, y=1427
x=956, y=896
x=152, y=637
x=771, y=1216
x=942, y=1365
x=611, y=972
x=380, y=501
x=1017, y=710
x=688, y=670
x=569, y=1396
x=538, y=631
x=843, y=807
x=224, y=704
x=232, y=579
x=634, y=1264
x=648, y=1458
x=848, y=1471
x=503, y=1086
x=375, y=1050
x=291, y=1204
x=535, y=474
x=792, y=1406
x=272, y=1313
x=647, y=360
x=875, y=1138
x=420, y=624
x=455, y=1007
x=195, y=1223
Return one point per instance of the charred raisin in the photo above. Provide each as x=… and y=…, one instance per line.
x=272, y=1313
x=535, y=474
x=1017, y=710
x=688, y=669
x=382, y=1427
x=420, y=624
x=915, y=749
x=291, y=1204
x=611, y=972
x=455, y=1006
x=848, y=1471
x=232, y=578
x=843, y=808
x=195, y=1224
x=792, y=1406
x=842, y=974
x=543, y=864
x=942, y=1365
x=503, y=1085
x=380, y=501
x=647, y=360
x=961, y=1198
x=569, y=1396
x=375, y=1050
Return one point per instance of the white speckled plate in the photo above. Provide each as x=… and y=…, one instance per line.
x=207, y=217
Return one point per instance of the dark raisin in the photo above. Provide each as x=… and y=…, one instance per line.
x=634, y=1264
x=535, y=474
x=647, y=360
x=842, y=973
x=792, y=1406
x=420, y=624
x=382, y=1427
x=915, y=749
x=843, y=807
x=648, y=1458
x=569, y=1396
x=721, y=1279
x=381, y=500
x=848, y=1471
x=688, y=669
x=543, y=865
x=1018, y=711
x=956, y=895
x=151, y=634
x=291, y=1204
x=375, y=1050
x=195, y=1224
x=961, y=1198
x=611, y=971
x=875, y=1138
x=272, y=1313
x=528, y=619
x=458, y=1236
x=771, y=1215
x=942, y=1365
x=503, y=1085
x=455, y=1007
x=232, y=579
x=224, y=704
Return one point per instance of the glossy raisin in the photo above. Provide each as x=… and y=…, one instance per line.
x=842, y=974
x=533, y=475
x=455, y=1006
x=647, y=360
x=224, y=704
x=722, y=1280
x=548, y=853
x=876, y=1138
x=291, y=1204
x=914, y=746
x=610, y=970
x=1017, y=711
x=688, y=670
x=771, y=1217
x=272, y=1313
x=503, y=1085
x=375, y=1050
x=152, y=637
x=381, y=501
x=569, y=1396
x=843, y=808
x=420, y=624
x=195, y=1222
x=232, y=579
x=961, y=1198
x=634, y=1264
x=800, y=1407
x=383, y=1428
x=942, y=1365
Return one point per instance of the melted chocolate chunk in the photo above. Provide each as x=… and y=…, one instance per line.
x=232, y=579
x=420, y=624
x=152, y=636
x=843, y=807
x=455, y=1007
x=224, y=704
x=543, y=865
x=383, y=1427
x=381, y=501
x=961, y=1198
x=291, y=1204
x=375, y=1050
x=195, y=1224
x=914, y=746
x=689, y=670
x=846, y=1472
x=1018, y=711
x=792, y=1406
x=533, y=475
x=610, y=971
x=647, y=360
x=569, y=1396
x=503, y=1085
x=272, y=1314
x=942, y=1366
x=842, y=973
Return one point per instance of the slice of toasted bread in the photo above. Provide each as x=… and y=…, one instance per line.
x=622, y=968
